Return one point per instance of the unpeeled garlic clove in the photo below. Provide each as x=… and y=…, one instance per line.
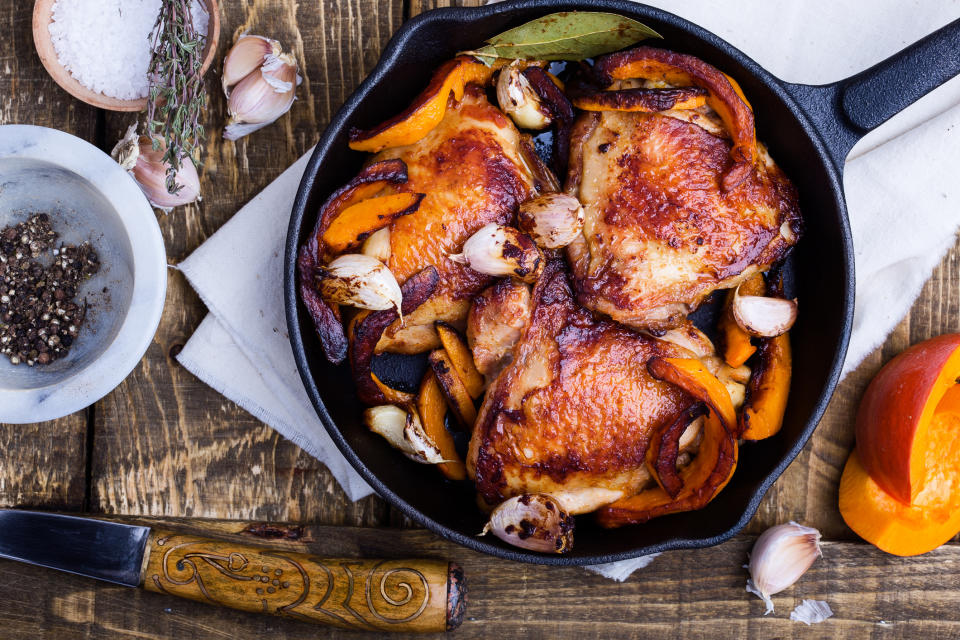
x=261, y=98
x=780, y=556
x=145, y=164
x=404, y=431
x=360, y=281
x=532, y=521
x=378, y=245
x=498, y=250
x=518, y=99
x=763, y=317
x=246, y=56
x=553, y=220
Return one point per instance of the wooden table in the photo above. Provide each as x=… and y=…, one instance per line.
x=165, y=447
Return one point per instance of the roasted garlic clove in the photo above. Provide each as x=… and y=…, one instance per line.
x=360, y=281
x=553, y=220
x=378, y=245
x=533, y=521
x=780, y=556
x=404, y=431
x=763, y=317
x=498, y=250
x=518, y=99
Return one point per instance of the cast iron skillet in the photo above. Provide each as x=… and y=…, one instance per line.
x=809, y=130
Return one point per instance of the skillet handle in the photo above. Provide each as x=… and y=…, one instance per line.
x=847, y=110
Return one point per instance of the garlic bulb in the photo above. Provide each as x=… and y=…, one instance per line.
x=762, y=316
x=265, y=92
x=360, y=281
x=247, y=55
x=147, y=167
x=498, y=250
x=532, y=521
x=518, y=99
x=780, y=556
x=553, y=220
x=378, y=245
x=404, y=431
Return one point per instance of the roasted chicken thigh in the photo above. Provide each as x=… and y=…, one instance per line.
x=573, y=413
x=673, y=208
x=473, y=171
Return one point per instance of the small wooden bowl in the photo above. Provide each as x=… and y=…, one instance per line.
x=43, y=15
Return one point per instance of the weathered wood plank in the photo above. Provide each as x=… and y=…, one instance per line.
x=41, y=464
x=684, y=594
x=165, y=443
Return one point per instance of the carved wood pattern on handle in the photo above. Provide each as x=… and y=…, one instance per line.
x=387, y=595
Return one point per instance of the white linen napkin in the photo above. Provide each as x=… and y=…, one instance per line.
x=900, y=181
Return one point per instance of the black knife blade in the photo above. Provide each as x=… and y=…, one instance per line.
x=98, y=549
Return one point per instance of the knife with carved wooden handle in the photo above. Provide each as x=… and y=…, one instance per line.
x=372, y=595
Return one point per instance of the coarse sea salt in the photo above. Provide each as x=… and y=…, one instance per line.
x=105, y=44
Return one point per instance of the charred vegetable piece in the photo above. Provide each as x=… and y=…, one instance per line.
x=368, y=330
x=533, y=521
x=460, y=357
x=454, y=389
x=355, y=223
x=432, y=407
x=393, y=396
x=701, y=481
x=664, y=449
x=427, y=109
x=326, y=316
x=767, y=391
x=724, y=95
x=642, y=100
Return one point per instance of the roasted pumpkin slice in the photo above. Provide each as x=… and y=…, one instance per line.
x=432, y=407
x=664, y=449
x=724, y=95
x=768, y=389
x=701, y=481
x=355, y=223
x=427, y=109
x=461, y=358
x=693, y=377
x=393, y=396
x=454, y=389
x=326, y=316
x=642, y=100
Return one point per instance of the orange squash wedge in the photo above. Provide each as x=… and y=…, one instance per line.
x=355, y=223
x=432, y=407
x=768, y=389
x=458, y=351
x=900, y=489
x=427, y=109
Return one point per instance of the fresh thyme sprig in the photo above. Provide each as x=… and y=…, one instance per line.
x=177, y=95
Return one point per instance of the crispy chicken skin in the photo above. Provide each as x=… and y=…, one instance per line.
x=471, y=169
x=661, y=233
x=573, y=413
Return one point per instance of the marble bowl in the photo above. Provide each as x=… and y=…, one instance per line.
x=88, y=197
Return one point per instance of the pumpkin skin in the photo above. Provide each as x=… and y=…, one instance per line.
x=900, y=488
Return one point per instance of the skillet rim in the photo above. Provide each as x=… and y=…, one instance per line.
x=404, y=37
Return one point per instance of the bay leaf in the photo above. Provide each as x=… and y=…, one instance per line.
x=568, y=35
